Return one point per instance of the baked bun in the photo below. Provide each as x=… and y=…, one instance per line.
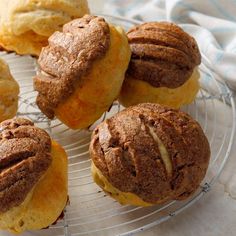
x=82, y=71
x=149, y=154
x=9, y=91
x=25, y=25
x=33, y=177
x=163, y=67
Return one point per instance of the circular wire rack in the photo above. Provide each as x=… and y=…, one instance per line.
x=90, y=211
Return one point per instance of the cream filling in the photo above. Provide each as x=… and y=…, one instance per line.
x=163, y=151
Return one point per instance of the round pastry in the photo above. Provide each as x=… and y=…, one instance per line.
x=33, y=177
x=149, y=154
x=163, y=67
x=25, y=25
x=9, y=91
x=82, y=71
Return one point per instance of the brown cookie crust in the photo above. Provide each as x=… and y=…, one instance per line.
x=25, y=155
x=125, y=150
x=69, y=56
x=162, y=54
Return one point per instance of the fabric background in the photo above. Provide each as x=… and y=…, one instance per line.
x=211, y=22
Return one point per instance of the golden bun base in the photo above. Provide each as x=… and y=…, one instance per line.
x=122, y=197
x=25, y=25
x=136, y=91
x=27, y=43
x=96, y=91
x=9, y=90
x=45, y=203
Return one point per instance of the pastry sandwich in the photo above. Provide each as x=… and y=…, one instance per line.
x=149, y=154
x=163, y=67
x=82, y=71
x=33, y=177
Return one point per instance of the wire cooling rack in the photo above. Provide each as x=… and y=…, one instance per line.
x=90, y=211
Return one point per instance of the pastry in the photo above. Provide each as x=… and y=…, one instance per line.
x=149, y=154
x=33, y=177
x=25, y=25
x=82, y=71
x=9, y=91
x=163, y=67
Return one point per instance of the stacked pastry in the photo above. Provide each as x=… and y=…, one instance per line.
x=33, y=177
x=82, y=71
x=149, y=154
x=163, y=66
x=9, y=91
x=25, y=25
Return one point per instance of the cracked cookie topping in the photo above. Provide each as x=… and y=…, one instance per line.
x=162, y=54
x=152, y=151
x=69, y=55
x=24, y=158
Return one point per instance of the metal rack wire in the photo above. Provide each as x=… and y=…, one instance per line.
x=91, y=212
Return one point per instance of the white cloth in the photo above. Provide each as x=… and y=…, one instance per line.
x=211, y=22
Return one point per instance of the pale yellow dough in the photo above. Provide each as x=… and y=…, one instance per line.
x=45, y=202
x=122, y=197
x=96, y=91
x=9, y=91
x=25, y=25
x=136, y=91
